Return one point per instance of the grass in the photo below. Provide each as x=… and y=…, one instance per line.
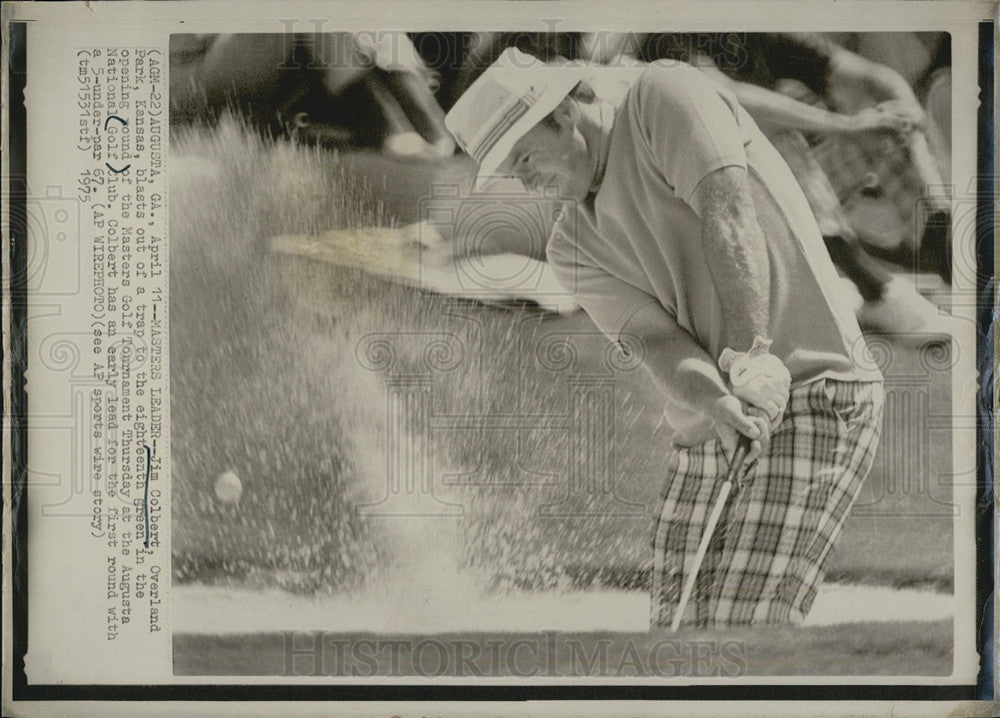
x=266, y=380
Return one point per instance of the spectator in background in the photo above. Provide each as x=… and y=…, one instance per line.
x=341, y=89
x=851, y=130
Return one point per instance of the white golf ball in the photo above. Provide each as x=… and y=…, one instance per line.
x=228, y=487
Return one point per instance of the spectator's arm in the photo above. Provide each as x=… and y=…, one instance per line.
x=854, y=82
x=776, y=110
x=880, y=81
x=781, y=112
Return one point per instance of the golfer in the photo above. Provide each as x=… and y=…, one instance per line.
x=685, y=231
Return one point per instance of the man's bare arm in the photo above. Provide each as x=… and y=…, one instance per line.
x=736, y=253
x=686, y=374
x=679, y=366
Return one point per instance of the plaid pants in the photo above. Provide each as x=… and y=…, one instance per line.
x=766, y=558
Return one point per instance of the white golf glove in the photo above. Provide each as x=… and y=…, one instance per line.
x=758, y=378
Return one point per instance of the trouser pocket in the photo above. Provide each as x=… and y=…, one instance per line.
x=854, y=405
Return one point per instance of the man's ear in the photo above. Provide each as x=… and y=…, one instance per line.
x=566, y=114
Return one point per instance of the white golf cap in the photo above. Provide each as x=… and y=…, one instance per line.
x=508, y=99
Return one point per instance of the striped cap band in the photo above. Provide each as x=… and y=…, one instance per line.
x=503, y=124
x=504, y=102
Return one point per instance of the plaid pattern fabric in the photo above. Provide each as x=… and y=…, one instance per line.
x=765, y=561
x=836, y=170
x=878, y=159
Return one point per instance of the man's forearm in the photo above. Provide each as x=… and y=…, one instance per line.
x=736, y=254
x=679, y=366
x=693, y=382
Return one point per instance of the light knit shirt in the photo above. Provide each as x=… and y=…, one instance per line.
x=638, y=241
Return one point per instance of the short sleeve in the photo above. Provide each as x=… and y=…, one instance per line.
x=609, y=301
x=692, y=125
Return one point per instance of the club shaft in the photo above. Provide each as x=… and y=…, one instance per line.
x=735, y=466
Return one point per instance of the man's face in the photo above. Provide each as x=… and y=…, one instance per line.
x=553, y=154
